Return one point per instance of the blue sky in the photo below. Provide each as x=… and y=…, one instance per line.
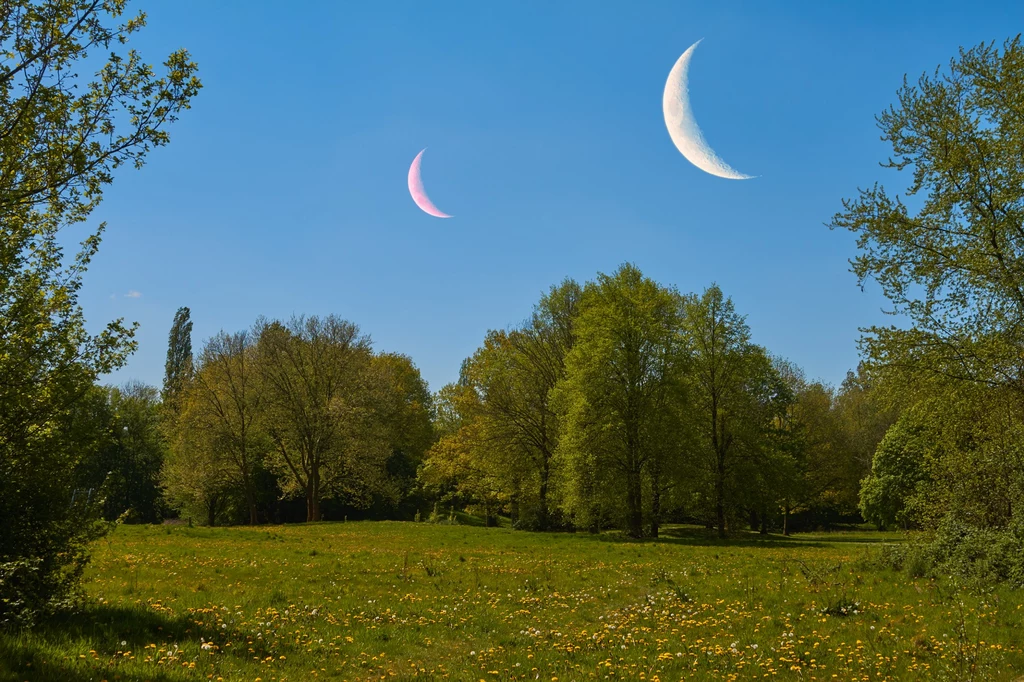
x=284, y=188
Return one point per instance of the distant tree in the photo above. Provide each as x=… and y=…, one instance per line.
x=617, y=401
x=178, y=368
x=865, y=408
x=730, y=382
x=195, y=476
x=221, y=407
x=61, y=137
x=898, y=469
x=406, y=410
x=458, y=465
x=137, y=454
x=321, y=390
x=515, y=372
x=124, y=451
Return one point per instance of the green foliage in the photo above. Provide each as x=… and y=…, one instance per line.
x=897, y=471
x=410, y=430
x=135, y=455
x=497, y=428
x=63, y=135
x=626, y=403
x=219, y=447
x=324, y=410
x=952, y=266
x=620, y=400
x=737, y=397
x=178, y=368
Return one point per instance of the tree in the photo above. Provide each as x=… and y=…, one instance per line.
x=135, y=455
x=407, y=412
x=730, y=384
x=951, y=263
x=897, y=470
x=864, y=419
x=195, y=476
x=515, y=373
x=222, y=405
x=617, y=399
x=321, y=394
x=61, y=138
x=953, y=267
x=458, y=465
x=178, y=369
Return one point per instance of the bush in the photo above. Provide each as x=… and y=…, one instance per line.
x=46, y=579
x=976, y=557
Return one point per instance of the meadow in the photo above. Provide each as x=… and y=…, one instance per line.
x=402, y=601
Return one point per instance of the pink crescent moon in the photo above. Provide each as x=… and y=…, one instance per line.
x=419, y=195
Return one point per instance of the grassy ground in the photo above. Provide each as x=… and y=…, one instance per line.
x=396, y=601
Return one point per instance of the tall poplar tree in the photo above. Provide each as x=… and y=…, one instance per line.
x=178, y=368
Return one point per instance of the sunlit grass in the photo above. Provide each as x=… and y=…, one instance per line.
x=395, y=601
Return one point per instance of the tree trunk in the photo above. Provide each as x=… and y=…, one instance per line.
x=211, y=512
x=313, y=496
x=634, y=524
x=542, y=513
x=250, y=500
x=718, y=446
x=720, y=497
x=655, y=502
x=785, y=520
x=312, y=501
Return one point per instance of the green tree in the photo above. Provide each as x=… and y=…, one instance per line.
x=897, y=471
x=178, y=368
x=196, y=479
x=731, y=384
x=407, y=412
x=322, y=409
x=953, y=267
x=864, y=420
x=951, y=261
x=62, y=136
x=221, y=407
x=135, y=454
x=458, y=466
x=515, y=373
x=617, y=401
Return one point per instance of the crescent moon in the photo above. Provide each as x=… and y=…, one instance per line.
x=682, y=126
x=419, y=195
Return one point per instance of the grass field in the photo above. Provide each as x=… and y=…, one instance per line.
x=397, y=601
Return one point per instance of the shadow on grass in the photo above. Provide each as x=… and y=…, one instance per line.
x=701, y=537
x=90, y=644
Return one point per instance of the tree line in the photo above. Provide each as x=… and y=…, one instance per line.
x=619, y=403
x=622, y=403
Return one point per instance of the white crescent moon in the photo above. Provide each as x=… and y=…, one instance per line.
x=419, y=195
x=682, y=126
